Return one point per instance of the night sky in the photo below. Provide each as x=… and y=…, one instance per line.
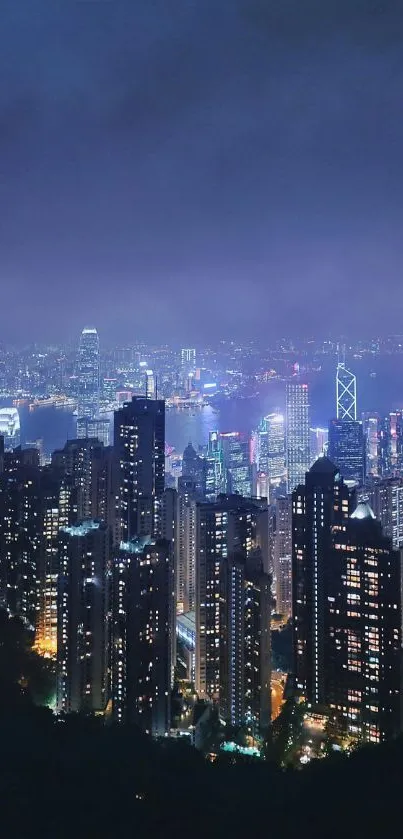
x=196, y=169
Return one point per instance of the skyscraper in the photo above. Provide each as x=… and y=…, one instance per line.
x=386, y=500
x=185, y=544
x=363, y=658
x=96, y=428
x=188, y=358
x=139, y=452
x=233, y=605
x=143, y=634
x=297, y=434
x=10, y=428
x=215, y=477
x=320, y=506
x=347, y=449
x=88, y=373
x=346, y=608
x=237, y=465
x=370, y=424
x=271, y=453
x=86, y=465
x=82, y=618
x=346, y=394
x=282, y=564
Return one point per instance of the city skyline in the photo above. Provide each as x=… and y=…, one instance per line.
x=157, y=160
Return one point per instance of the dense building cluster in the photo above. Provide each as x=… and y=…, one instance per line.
x=124, y=568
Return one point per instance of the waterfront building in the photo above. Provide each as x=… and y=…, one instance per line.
x=88, y=373
x=10, y=428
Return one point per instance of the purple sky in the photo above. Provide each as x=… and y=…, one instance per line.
x=200, y=168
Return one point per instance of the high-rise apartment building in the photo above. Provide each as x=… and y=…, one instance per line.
x=297, y=434
x=282, y=553
x=346, y=608
x=83, y=618
x=185, y=544
x=386, y=500
x=320, y=506
x=88, y=373
x=139, y=453
x=20, y=533
x=347, y=449
x=143, y=634
x=87, y=467
x=233, y=605
x=363, y=661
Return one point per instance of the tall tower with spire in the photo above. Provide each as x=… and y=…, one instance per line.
x=346, y=393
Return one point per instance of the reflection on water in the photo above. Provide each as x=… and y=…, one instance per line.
x=381, y=392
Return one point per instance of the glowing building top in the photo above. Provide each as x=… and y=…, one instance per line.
x=346, y=393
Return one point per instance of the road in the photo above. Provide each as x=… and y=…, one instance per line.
x=277, y=693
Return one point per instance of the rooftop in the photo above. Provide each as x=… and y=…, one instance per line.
x=363, y=511
x=81, y=529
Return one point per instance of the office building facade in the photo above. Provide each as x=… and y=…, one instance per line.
x=297, y=434
x=88, y=373
x=347, y=449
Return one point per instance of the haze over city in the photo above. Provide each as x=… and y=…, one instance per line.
x=204, y=167
x=201, y=418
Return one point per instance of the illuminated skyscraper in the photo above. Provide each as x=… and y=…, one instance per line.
x=282, y=555
x=233, y=605
x=10, y=428
x=319, y=442
x=370, y=424
x=271, y=453
x=386, y=499
x=346, y=394
x=185, y=544
x=82, y=618
x=95, y=428
x=139, y=452
x=320, y=505
x=194, y=468
x=151, y=385
x=214, y=467
x=363, y=661
x=347, y=449
x=188, y=358
x=297, y=434
x=88, y=373
x=237, y=465
x=346, y=608
x=143, y=634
